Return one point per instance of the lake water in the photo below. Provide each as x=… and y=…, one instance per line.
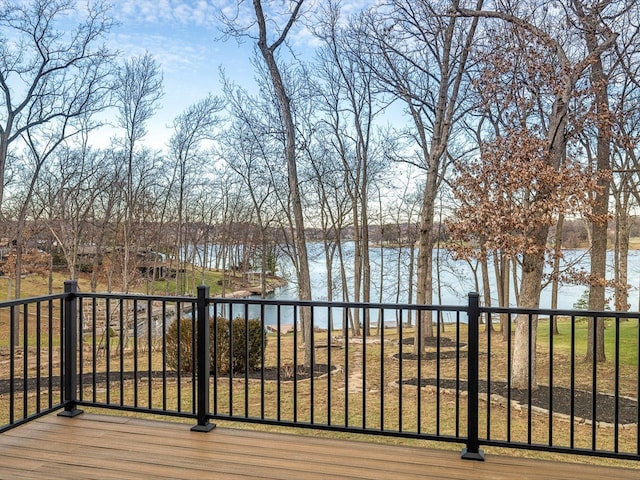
x=389, y=268
x=456, y=277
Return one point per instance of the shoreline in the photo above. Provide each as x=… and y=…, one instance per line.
x=245, y=291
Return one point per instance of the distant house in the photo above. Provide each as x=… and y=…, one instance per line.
x=5, y=248
x=149, y=262
x=86, y=254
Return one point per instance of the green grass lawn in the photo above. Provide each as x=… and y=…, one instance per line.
x=562, y=342
x=186, y=282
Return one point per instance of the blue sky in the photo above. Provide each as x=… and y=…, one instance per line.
x=184, y=38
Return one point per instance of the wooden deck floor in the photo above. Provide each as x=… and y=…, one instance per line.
x=111, y=447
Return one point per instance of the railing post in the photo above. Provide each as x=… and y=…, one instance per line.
x=70, y=350
x=472, y=450
x=203, y=364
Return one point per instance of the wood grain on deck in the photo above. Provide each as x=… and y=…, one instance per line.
x=112, y=447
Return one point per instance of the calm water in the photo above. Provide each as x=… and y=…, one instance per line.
x=456, y=278
x=389, y=269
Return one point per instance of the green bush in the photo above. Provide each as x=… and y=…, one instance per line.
x=220, y=357
x=239, y=357
x=182, y=348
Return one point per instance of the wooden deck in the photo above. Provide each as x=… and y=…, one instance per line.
x=111, y=447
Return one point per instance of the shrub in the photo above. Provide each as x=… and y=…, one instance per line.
x=180, y=353
x=240, y=355
x=225, y=357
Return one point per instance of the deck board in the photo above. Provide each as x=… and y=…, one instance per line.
x=112, y=447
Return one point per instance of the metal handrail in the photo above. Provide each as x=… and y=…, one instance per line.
x=172, y=355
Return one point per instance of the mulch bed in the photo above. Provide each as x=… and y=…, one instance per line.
x=582, y=401
x=271, y=373
x=287, y=372
x=444, y=355
x=445, y=342
x=449, y=349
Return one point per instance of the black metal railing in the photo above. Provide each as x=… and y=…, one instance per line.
x=32, y=352
x=182, y=356
x=581, y=405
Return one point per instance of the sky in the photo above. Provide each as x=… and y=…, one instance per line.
x=185, y=39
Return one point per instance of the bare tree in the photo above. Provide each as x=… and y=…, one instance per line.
x=192, y=130
x=596, y=33
x=137, y=92
x=105, y=215
x=351, y=107
x=68, y=191
x=420, y=54
x=249, y=151
x=268, y=50
x=49, y=73
x=274, y=21
x=626, y=167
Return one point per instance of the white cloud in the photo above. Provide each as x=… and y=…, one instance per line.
x=201, y=13
x=350, y=7
x=182, y=36
x=174, y=54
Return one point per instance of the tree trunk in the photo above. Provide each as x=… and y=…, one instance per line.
x=622, y=260
x=50, y=279
x=595, y=347
x=500, y=269
x=357, y=264
x=304, y=280
x=486, y=289
x=526, y=326
x=555, y=281
x=355, y=326
x=505, y=279
x=410, y=275
x=366, y=262
x=425, y=265
x=4, y=150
